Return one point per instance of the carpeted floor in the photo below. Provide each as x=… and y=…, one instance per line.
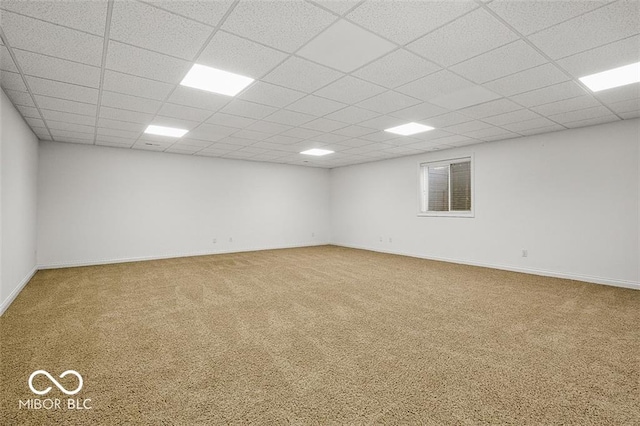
x=321, y=335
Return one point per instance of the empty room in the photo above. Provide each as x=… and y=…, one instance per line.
x=319, y=212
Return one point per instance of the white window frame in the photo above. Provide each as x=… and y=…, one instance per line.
x=423, y=186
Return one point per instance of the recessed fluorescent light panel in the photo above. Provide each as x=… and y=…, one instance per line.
x=409, y=129
x=166, y=131
x=317, y=152
x=215, y=80
x=616, y=77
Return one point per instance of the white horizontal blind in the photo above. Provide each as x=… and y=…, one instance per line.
x=460, y=186
x=438, y=182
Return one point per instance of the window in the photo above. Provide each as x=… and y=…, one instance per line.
x=446, y=188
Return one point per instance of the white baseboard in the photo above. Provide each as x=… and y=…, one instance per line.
x=73, y=264
x=6, y=302
x=554, y=274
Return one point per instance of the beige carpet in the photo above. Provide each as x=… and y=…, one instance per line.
x=322, y=335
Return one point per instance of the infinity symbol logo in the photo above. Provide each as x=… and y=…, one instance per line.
x=55, y=382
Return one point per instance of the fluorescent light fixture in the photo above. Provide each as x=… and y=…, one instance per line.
x=317, y=152
x=215, y=80
x=616, y=77
x=166, y=131
x=409, y=129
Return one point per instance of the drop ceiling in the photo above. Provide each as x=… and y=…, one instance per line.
x=329, y=74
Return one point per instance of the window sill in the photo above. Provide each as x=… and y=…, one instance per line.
x=446, y=214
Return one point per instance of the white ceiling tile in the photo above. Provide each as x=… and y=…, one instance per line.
x=89, y=16
x=181, y=111
x=338, y=6
x=382, y=122
x=491, y=133
x=626, y=106
x=230, y=120
x=62, y=134
x=268, y=127
x=301, y=133
x=231, y=143
x=528, y=125
x=84, y=141
x=328, y=138
x=448, y=119
x=458, y=140
x=612, y=55
x=195, y=143
x=238, y=55
x=291, y=118
x=531, y=16
x=125, y=115
x=387, y=102
x=512, y=117
x=195, y=98
x=270, y=94
x=114, y=140
x=57, y=89
x=42, y=133
x=592, y=121
x=28, y=111
x=619, y=94
x=531, y=79
x=345, y=47
x=67, y=117
x=251, y=134
x=403, y=21
x=155, y=29
x=58, y=69
x=419, y=112
x=283, y=25
x=282, y=140
x=427, y=136
x=613, y=22
x=111, y=144
x=462, y=98
x=121, y=125
x=396, y=68
x=173, y=149
x=6, y=61
x=468, y=36
x=315, y=105
x=567, y=105
x=136, y=86
x=541, y=130
x=71, y=127
x=350, y=90
x=354, y=131
x=208, y=12
x=145, y=63
x=499, y=106
x=352, y=115
x=118, y=133
x=324, y=125
x=12, y=81
x=247, y=109
x=630, y=115
x=64, y=105
x=149, y=146
x=582, y=114
x=467, y=127
x=303, y=75
x=34, y=122
x=50, y=39
x=546, y=95
x=505, y=60
x=131, y=103
x=435, y=85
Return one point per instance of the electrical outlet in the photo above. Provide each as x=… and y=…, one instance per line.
x=230, y=239
x=390, y=240
x=215, y=240
x=380, y=239
x=525, y=253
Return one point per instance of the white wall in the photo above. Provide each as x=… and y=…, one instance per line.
x=18, y=180
x=99, y=204
x=570, y=198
